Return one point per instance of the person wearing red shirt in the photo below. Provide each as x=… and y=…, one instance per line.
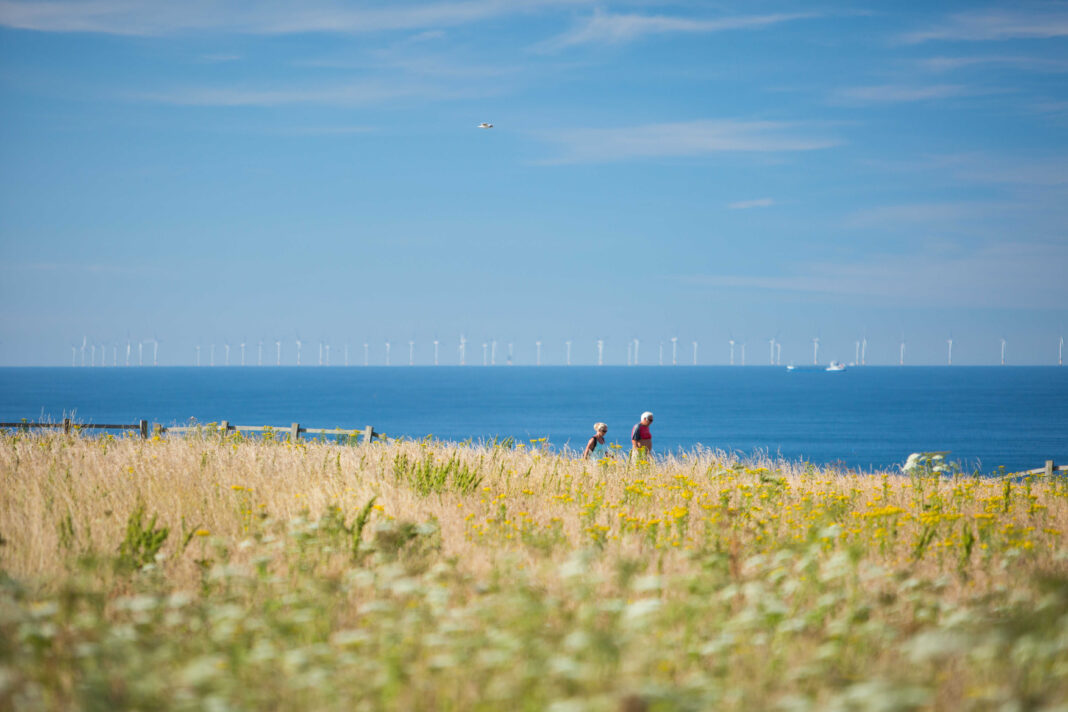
x=641, y=439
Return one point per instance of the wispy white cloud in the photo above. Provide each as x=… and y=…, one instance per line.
x=1039, y=23
x=1037, y=64
x=134, y=17
x=346, y=94
x=603, y=27
x=746, y=204
x=920, y=214
x=693, y=138
x=999, y=275
x=900, y=93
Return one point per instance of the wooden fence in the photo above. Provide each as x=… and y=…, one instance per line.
x=294, y=431
x=1048, y=470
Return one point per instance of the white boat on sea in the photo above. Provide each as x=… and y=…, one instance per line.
x=836, y=366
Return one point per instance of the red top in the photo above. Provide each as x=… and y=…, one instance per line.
x=641, y=432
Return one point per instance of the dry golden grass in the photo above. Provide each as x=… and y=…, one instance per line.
x=521, y=578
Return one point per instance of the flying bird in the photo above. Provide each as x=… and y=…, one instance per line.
x=484, y=125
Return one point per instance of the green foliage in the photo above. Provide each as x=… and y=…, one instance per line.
x=432, y=476
x=142, y=542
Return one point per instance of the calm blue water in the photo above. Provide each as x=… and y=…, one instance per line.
x=865, y=417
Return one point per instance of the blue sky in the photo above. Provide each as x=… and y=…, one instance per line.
x=228, y=171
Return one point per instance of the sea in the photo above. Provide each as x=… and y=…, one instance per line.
x=864, y=418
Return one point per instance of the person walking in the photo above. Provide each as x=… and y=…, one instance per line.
x=641, y=439
x=596, y=447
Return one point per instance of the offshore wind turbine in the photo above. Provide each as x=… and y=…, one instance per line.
x=511, y=353
x=226, y=353
x=366, y=353
x=731, y=342
x=637, y=343
x=73, y=355
x=463, y=350
x=388, y=346
x=816, y=351
x=197, y=349
x=299, y=344
x=743, y=353
x=864, y=351
x=127, y=349
x=949, y=358
x=661, y=353
x=1060, y=353
x=674, y=350
x=85, y=340
x=1003, y=351
x=778, y=353
x=259, y=353
x=411, y=352
x=771, y=344
x=856, y=358
x=114, y=354
x=155, y=351
x=92, y=354
x=901, y=357
x=320, y=352
x=695, y=353
x=537, y=346
x=485, y=353
x=242, y=344
x=140, y=353
x=278, y=352
x=327, y=353
x=600, y=352
x=435, y=352
x=568, y=358
x=493, y=352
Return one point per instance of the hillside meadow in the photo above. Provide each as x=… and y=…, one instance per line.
x=219, y=573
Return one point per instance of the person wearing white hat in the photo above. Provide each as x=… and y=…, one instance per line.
x=641, y=439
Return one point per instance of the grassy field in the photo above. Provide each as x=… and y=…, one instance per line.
x=215, y=573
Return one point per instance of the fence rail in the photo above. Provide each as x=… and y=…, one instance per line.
x=140, y=426
x=1048, y=470
x=294, y=430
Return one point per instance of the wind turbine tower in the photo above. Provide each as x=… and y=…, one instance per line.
x=411, y=352
x=864, y=351
x=511, y=353
x=435, y=352
x=637, y=343
x=600, y=352
x=816, y=351
x=92, y=355
x=485, y=353
x=1060, y=353
x=140, y=353
x=537, y=358
x=1002, y=351
x=695, y=353
x=731, y=342
x=85, y=340
x=155, y=351
x=674, y=350
x=320, y=352
x=242, y=353
x=901, y=358
x=73, y=355
x=127, y=350
x=661, y=353
x=259, y=353
x=388, y=346
x=856, y=358
x=778, y=353
x=327, y=347
x=366, y=353
x=771, y=343
x=278, y=352
x=198, y=354
x=463, y=350
x=226, y=353
x=743, y=353
x=568, y=357
x=493, y=352
x=299, y=344
x=949, y=358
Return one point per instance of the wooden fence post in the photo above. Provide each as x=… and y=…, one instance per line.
x=157, y=428
x=224, y=427
x=294, y=432
x=368, y=434
x=66, y=426
x=142, y=427
x=1049, y=468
